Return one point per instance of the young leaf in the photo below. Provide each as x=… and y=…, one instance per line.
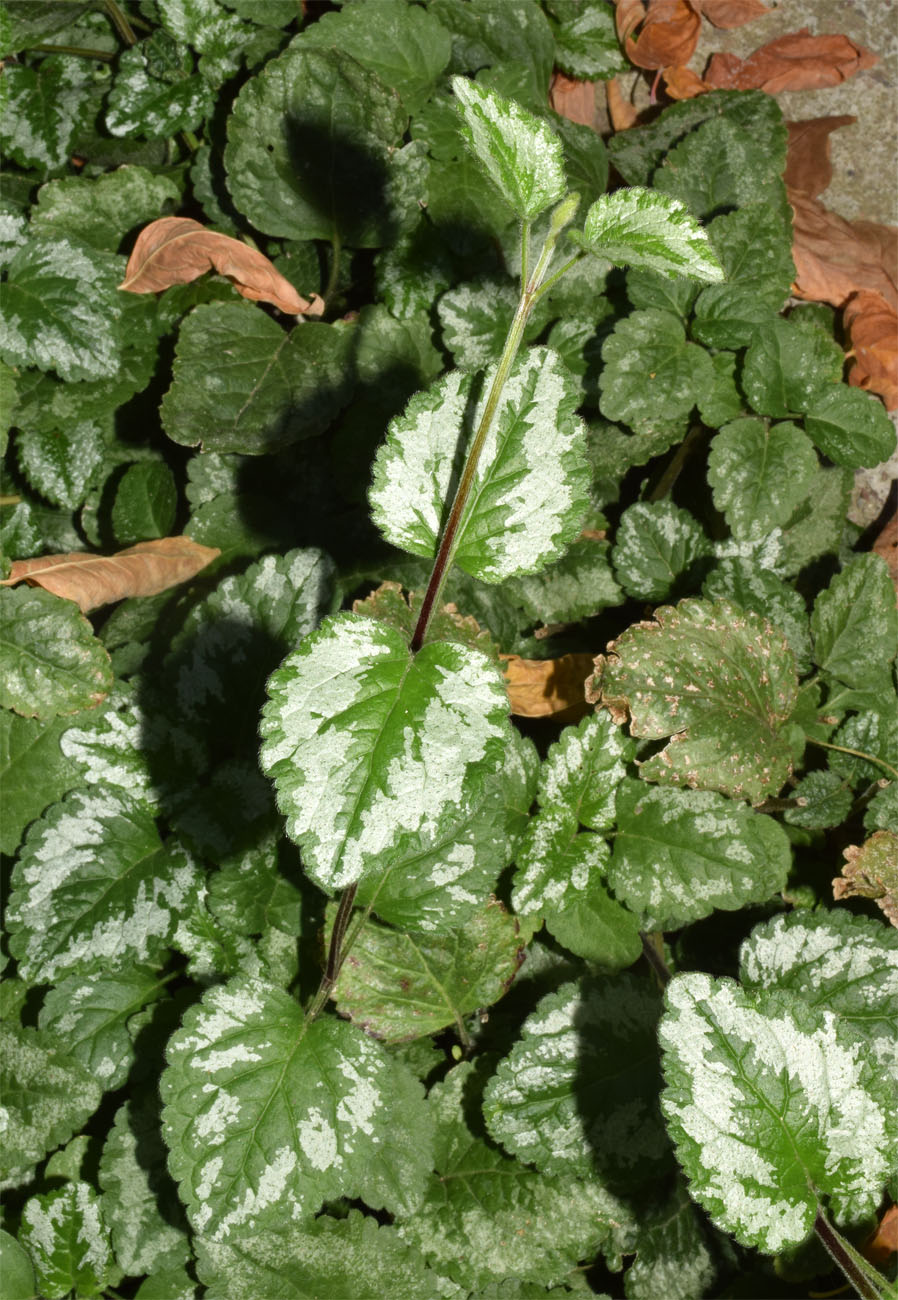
x=787, y=365
x=849, y=426
x=834, y=961
x=855, y=623
x=578, y=1092
x=95, y=887
x=530, y=490
x=656, y=547
x=67, y=1239
x=643, y=228
x=772, y=1105
x=268, y=1115
x=679, y=854
x=521, y=155
x=583, y=769
x=651, y=373
x=401, y=985
x=48, y=1097
x=759, y=475
x=50, y=659
x=717, y=679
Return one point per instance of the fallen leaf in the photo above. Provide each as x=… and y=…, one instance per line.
x=871, y=871
x=883, y=1243
x=798, y=61
x=91, y=580
x=872, y=328
x=683, y=83
x=575, y=100
x=834, y=258
x=176, y=250
x=538, y=688
x=886, y=545
x=808, y=165
x=732, y=13
x=621, y=112
x=668, y=31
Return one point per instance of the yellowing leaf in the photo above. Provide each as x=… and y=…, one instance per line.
x=540, y=687
x=92, y=580
x=176, y=250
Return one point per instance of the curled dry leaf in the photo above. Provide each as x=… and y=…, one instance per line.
x=871, y=871
x=872, y=328
x=731, y=13
x=176, y=250
x=834, y=258
x=621, y=112
x=886, y=545
x=883, y=1243
x=683, y=83
x=668, y=31
x=540, y=687
x=798, y=61
x=575, y=100
x=92, y=580
x=808, y=165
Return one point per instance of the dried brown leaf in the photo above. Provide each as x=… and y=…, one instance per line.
x=538, y=688
x=872, y=328
x=883, y=1243
x=575, y=100
x=91, y=580
x=798, y=61
x=683, y=83
x=668, y=33
x=834, y=258
x=176, y=250
x=871, y=871
x=886, y=545
x=732, y=13
x=621, y=112
x=808, y=165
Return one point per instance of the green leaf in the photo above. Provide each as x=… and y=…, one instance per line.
x=475, y=318
x=835, y=962
x=401, y=744
x=520, y=154
x=672, y=1257
x=353, y=1256
x=820, y=800
x=882, y=810
x=754, y=246
x=721, y=165
x=146, y=500
x=111, y=747
x=528, y=497
x=759, y=475
x=772, y=1103
x=45, y=107
x=679, y=854
x=60, y=465
x=398, y=985
x=494, y=32
x=586, y=166
x=583, y=769
x=723, y=401
x=140, y=1204
x=67, y=1239
x=849, y=426
x=720, y=681
x=586, y=44
x=168, y=1284
x=787, y=365
x=50, y=659
x=657, y=547
x=220, y=36
x=816, y=528
x=406, y=47
x=578, y=585
x=62, y=311
x=47, y=1096
x=323, y=1111
x=651, y=373
x=310, y=136
x=33, y=772
x=743, y=583
x=643, y=228
x=242, y=383
x=16, y=1269
x=102, y=211
x=89, y=1016
x=156, y=92
x=653, y=289
x=578, y=1092
x=94, y=888
x=528, y=1226
x=248, y=893
x=30, y=26
x=855, y=623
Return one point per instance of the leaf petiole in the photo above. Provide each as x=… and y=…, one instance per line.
x=869, y=1284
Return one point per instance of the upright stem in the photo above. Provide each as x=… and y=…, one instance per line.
x=335, y=953
x=120, y=23
x=869, y=1284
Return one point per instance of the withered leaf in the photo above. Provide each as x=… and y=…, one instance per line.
x=732, y=13
x=668, y=31
x=683, y=83
x=91, y=580
x=798, y=61
x=872, y=328
x=834, y=258
x=575, y=100
x=621, y=113
x=176, y=250
x=540, y=687
x=886, y=545
x=883, y=1242
x=808, y=165
x=871, y=871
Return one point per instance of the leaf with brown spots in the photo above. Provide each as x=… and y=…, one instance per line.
x=575, y=100
x=808, y=165
x=798, y=61
x=92, y=580
x=871, y=871
x=668, y=32
x=720, y=681
x=728, y=14
x=540, y=687
x=176, y=250
x=834, y=258
x=872, y=328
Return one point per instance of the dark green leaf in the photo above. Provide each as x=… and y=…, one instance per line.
x=146, y=500
x=68, y=1242
x=51, y=661
x=16, y=1269
x=156, y=92
x=672, y=1257
x=855, y=623
x=751, y=587
x=760, y=474
x=45, y=108
x=578, y=585
x=34, y=772
x=60, y=465
x=721, y=165
x=515, y=33
x=820, y=800
x=727, y=315
x=586, y=43
x=657, y=546
x=849, y=426
x=787, y=365
x=101, y=212
x=651, y=373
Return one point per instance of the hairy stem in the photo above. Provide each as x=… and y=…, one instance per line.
x=334, y=271
x=653, y=951
x=336, y=954
x=120, y=23
x=869, y=1284
x=857, y=753
x=672, y=472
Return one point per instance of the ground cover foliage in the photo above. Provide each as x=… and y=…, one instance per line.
x=594, y=1019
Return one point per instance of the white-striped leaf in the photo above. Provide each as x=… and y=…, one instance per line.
x=375, y=752
x=647, y=229
x=771, y=1104
x=520, y=154
x=530, y=491
x=68, y=1242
